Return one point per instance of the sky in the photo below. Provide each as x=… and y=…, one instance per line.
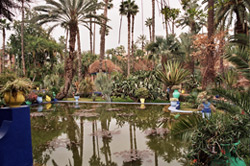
x=114, y=22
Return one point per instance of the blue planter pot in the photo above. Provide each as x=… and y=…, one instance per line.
x=39, y=99
x=76, y=98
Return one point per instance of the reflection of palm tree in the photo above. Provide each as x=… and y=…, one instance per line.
x=95, y=160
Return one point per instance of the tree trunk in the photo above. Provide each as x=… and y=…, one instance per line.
x=128, y=58
x=22, y=42
x=173, y=27
x=103, y=33
x=150, y=33
x=239, y=25
x=79, y=59
x=69, y=62
x=90, y=36
x=209, y=73
x=66, y=44
x=3, y=53
x=132, y=55
x=153, y=20
x=94, y=39
x=166, y=29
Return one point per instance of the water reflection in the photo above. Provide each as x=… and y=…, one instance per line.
x=104, y=135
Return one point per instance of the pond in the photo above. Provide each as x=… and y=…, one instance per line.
x=66, y=134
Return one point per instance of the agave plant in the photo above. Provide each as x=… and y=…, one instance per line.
x=174, y=74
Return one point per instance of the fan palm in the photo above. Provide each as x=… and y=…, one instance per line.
x=72, y=13
x=128, y=8
x=168, y=49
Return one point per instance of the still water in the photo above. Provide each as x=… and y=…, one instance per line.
x=67, y=134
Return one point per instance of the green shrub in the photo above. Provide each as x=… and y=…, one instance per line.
x=142, y=93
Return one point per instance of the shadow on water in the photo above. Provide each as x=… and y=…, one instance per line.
x=104, y=135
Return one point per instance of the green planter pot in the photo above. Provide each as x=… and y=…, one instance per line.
x=176, y=94
x=232, y=160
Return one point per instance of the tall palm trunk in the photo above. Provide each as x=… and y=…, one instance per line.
x=66, y=44
x=94, y=39
x=150, y=33
x=166, y=28
x=3, y=53
x=209, y=73
x=90, y=36
x=128, y=58
x=239, y=25
x=133, y=24
x=69, y=61
x=173, y=27
x=22, y=42
x=103, y=33
x=153, y=20
x=79, y=59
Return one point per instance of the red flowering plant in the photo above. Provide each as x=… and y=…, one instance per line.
x=211, y=136
x=32, y=97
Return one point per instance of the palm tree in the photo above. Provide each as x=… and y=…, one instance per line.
x=153, y=20
x=79, y=59
x=209, y=74
x=170, y=15
x=225, y=11
x=148, y=23
x=128, y=8
x=134, y=12
x=107, y=5
x=167, y=49
x=142, y=40
x=22, y=42
x=72, y=13
x=5, y=8
x=193, y=17
x=3, y=25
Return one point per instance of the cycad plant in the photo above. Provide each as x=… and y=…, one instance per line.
x=104, y=84
x=174, y=74
x=229, y=78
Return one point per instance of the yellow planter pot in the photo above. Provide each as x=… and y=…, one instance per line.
x=14, y=101
x=142, y=100
x=47, y=98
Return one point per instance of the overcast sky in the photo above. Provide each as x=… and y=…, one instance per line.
x=113, y=15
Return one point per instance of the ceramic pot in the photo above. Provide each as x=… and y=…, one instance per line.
x=39, y=99
x=173, y=103
x=14, y=101
x=48, y=99
x=142, y=100
x=76, y=98
x=176, y=94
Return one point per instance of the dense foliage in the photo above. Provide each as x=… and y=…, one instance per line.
x=123, y=87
